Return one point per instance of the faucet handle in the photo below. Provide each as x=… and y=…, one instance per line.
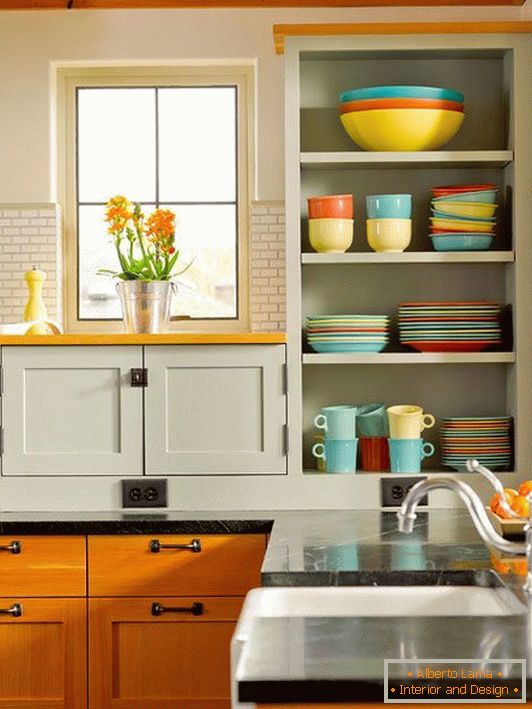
x=475, y=467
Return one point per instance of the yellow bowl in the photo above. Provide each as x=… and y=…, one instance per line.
x=389, y=235
x=461, y=225
x=466, y=209
x=330, y=236
x=402, y=128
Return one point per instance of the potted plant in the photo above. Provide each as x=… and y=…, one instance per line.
x=147, y=256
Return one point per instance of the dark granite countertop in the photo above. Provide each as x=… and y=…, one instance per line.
x=157, y=522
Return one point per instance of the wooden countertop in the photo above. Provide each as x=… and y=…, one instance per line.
x=173, y=338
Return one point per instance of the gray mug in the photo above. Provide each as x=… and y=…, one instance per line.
x=372, y=421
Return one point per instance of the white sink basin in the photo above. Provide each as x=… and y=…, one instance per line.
x=379, y=601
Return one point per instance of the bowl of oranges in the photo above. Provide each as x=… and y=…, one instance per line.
x=518, y=502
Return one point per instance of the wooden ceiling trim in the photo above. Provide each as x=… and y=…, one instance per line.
x=204, y=4
x=301, y=30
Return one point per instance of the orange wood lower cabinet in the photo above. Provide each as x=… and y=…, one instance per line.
x=138, y=660
x=43, y=654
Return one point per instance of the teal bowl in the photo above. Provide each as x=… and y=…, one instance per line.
x=389, y=206
x=461, y=242
x=430, y=92
x=486, y=196
x=455, y=218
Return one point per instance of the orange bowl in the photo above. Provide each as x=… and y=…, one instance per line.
x=372, y=104
x=332, y=206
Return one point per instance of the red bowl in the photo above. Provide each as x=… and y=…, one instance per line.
x=372, y=104
x=446, y=190
x=333, y=206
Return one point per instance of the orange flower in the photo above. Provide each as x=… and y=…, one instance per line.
x=160, y=229
x=118, y=212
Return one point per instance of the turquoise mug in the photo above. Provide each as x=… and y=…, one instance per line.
x=338, y=422
x=406, y=454
x=372, y=421
x=339, y=456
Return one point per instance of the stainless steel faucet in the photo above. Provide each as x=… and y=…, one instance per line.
x=407, y=516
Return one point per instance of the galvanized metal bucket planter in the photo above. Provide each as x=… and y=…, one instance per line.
x=146, y=305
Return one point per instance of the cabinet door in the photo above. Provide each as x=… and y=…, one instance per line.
x=71, y=411
x=144, y=661
x=215, y=409
x=43, y=654
x=43, y=565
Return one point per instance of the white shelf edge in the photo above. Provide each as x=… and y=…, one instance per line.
x=424, y=473
x=411, y=358
x=410, y=257
x=499, y=158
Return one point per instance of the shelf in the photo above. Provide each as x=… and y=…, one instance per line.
x=411, y=358
x=410, y=257
x=432, y=473
x=428, y=159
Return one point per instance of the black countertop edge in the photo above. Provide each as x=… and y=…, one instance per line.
x=312, y=690
x=317, y=691
x=146, y=524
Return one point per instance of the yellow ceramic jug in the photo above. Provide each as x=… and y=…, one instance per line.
x=35, y=308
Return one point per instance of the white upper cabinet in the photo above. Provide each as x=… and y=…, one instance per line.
x=217, y=409
x=71, y=411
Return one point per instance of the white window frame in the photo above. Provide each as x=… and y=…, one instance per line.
x=67, y=80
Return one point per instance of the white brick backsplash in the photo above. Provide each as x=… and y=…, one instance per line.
x=267, y=266
x=29, y=235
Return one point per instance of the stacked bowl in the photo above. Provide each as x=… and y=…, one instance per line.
x=330, y=223
x=488, y=439
x=348, y=333
x=465, y=326
x=463, y=217
x=389, y=223
x=404, y=118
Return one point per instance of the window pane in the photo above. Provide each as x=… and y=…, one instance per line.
x=208, y=235
x=197, y=144
x=204, y=234
x=116, y=143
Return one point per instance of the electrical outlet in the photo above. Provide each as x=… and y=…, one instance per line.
x=394, y=491
x=144, y=492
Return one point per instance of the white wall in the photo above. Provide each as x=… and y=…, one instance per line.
x=29, y=41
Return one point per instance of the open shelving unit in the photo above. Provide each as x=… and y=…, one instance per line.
x=493, y=146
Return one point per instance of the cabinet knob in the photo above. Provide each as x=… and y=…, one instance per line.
x=156, y=546
x=194, y=609
x=15, y=610
x=15, y=547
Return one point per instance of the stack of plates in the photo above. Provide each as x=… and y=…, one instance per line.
x=463, y=217
x=348, y=333
x=466, y=326
x=485, y=438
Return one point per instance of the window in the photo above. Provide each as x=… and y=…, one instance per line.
x=176, y=140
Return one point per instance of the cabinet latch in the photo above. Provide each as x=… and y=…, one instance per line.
x=139, y=377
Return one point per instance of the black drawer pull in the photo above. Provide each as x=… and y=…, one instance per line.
x=156, y=546
x=15, y=547
x=159, y=609
x=15, y=610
